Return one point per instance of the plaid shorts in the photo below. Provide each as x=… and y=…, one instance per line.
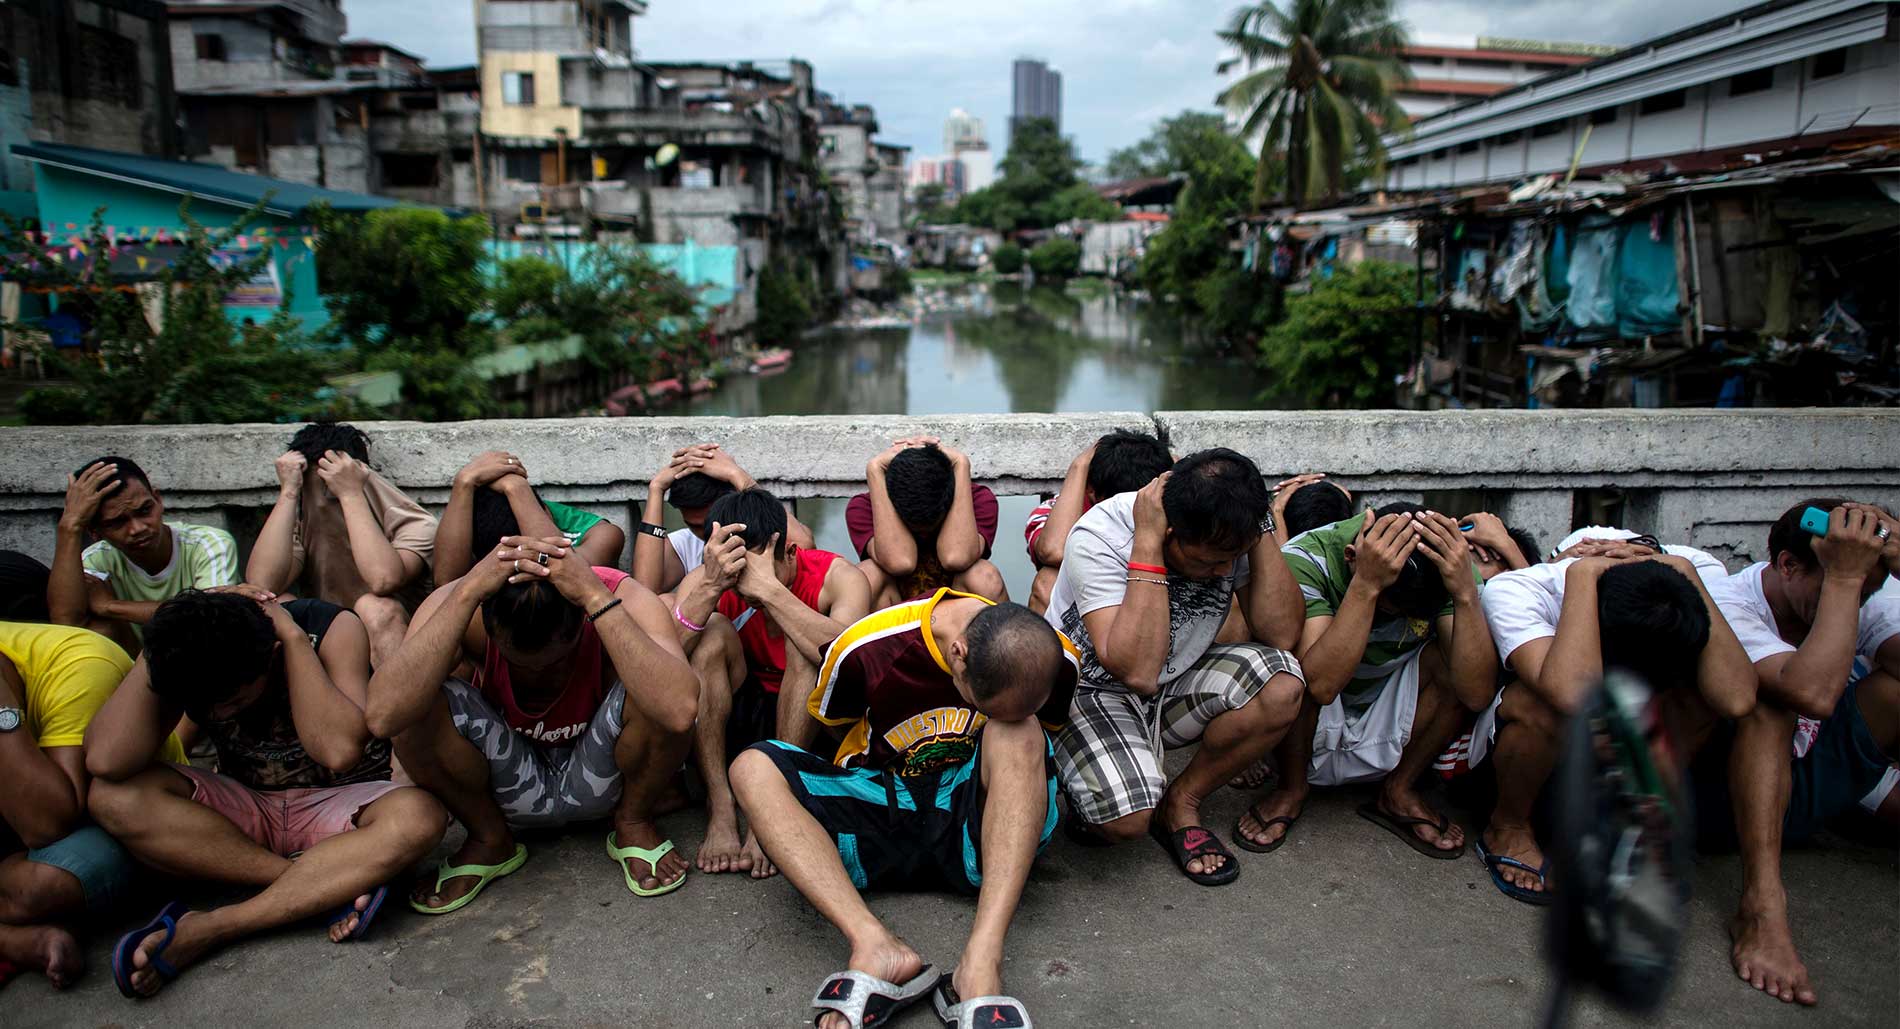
x=1107, y=757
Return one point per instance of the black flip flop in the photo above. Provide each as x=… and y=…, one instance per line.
x=1241, y=840
x=1402, y=828
x=1190, y=842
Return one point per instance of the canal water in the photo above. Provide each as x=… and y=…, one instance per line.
x=999, y=349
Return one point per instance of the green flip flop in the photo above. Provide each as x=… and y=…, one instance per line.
x=488, y=874
x=651, y=857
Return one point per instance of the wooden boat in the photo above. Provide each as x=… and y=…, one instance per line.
x=772, y=360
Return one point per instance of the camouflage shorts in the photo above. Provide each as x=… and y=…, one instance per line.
x=540, y=786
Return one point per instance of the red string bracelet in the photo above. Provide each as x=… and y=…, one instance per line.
x=1136, y=566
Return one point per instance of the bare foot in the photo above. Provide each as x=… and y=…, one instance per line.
x=720, y=850
x=890, y=959
x=1179, y=811
x=977, y=978
x=1399, y=799
x=1519, y=844
x=47, y=948
x=646, y=836
x=1253, y=777
x=473, y=852
x=188, y=945
x=760, y=865
x=1764, y=956
x=340, y=932
x=1281, y=803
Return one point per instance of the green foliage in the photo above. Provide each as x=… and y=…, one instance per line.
x=784, y=308
x=437, y=385
x=1342, y=344
x=1168, y=147
x=1320, y=89
x=405, y=277
x=1056, y=259
x=1008, y=259
x=1039, y=186
x=525, y=287
x=1182, y=258
x=1238, y=305
x=897, y=281
x=197, y=367
x=929, y=203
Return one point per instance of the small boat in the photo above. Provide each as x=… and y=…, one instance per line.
x=624, y=400
x=772, y=360
x=664, y=388
x=703, y=384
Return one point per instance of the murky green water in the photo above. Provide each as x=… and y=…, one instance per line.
x=1012, y=351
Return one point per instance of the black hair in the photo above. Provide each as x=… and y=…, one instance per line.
x=23, y=588
x=1316, y=504
x=318, y=438
x=1787, y=536
x=202, y=648
x=1217, y=498
x=1526, y=544
x=697, y=490
x=1009, y=643
x=758, y=510
x=1651, y=620
x=127, y=470
x=531, y=615
x=1419, y=591
x=491, y=521
x=922, y=484
x=1126, y=461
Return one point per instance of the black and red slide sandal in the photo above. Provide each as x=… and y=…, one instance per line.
x=1190, y=842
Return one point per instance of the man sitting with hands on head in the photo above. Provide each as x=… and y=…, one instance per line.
x=786, y=603
x=301, y=808
x=922, y=525
x=1396, y=653
x=582, y=707
x=1820, y=619
x=692, y=479
x=1121, y=462
x=501, y=474
x=341, y=533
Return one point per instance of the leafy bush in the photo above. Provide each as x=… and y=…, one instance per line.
x=55, y=405
x=526, y=287
x=1342, y=344
x=1056, y=259
x=1008, y=259
x=784, y=309
x=1239, y=305
x=404, y=277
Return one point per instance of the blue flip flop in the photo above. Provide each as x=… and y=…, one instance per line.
x=376, y=898
x=122, y=967
x=1538, y=898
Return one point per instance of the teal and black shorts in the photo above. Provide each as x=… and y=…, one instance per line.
x=901, y=831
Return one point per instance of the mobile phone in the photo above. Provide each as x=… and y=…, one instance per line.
x=1814, y=521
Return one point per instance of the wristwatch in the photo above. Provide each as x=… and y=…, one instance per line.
x=11, y=718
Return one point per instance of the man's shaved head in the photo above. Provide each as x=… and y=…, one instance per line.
x=1009, y=645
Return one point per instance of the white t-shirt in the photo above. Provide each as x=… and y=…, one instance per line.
x=690, y=548
x=1745, y=607
x=1095, y=576
x=1523, y=605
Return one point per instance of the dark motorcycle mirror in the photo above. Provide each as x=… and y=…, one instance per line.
x=1621, y=854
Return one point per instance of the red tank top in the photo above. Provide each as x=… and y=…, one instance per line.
x=565, y=719
x=764, y=642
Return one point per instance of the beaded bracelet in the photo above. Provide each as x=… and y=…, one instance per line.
x=609, y=606
x=1144, y=578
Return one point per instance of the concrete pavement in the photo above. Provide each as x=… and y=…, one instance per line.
x=1345, y=926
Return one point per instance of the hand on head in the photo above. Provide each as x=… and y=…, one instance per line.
x=341, y=473
x=1853, y=546
x=89, y=489
x=725, y=558
x=515, y=559
x=490, y=466
x=1382, y=548
x=1445, y=546
x=291, y=466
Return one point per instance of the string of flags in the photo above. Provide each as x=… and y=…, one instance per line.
x=76, y=242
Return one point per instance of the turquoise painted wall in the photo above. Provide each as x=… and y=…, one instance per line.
x=67, y=197
x=716, y=269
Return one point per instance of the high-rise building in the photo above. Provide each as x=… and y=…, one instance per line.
x=1036, y=93
x=962, y=129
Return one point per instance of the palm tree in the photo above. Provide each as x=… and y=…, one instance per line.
x=1319, y=87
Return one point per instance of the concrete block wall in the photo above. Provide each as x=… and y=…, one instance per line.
x=1712, y=479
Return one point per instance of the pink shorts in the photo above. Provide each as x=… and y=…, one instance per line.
x=284, y=821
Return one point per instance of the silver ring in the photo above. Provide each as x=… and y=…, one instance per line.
x=517, y=564
x=541, y=559
x=1882, y=533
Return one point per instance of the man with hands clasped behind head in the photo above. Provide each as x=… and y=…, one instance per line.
x=341, y=533
x=691, y=480
x=582, y=707
x=922, y=525
x=503, y=475
x=756, y=617
x=1397, y=654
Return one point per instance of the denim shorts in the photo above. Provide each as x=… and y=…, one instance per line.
x=101, y=865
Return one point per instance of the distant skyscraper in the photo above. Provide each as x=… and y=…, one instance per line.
x=962, y=129
x=1037, y=93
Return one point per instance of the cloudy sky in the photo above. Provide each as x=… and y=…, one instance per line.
x=1125, y=63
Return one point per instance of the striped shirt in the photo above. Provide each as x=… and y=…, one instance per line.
x=202, y=557
x=1317, y=559
x=887, y=675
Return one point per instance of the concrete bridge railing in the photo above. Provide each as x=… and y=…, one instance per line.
x=1712, y=479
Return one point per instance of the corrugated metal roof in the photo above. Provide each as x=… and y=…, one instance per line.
x=206, y=181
